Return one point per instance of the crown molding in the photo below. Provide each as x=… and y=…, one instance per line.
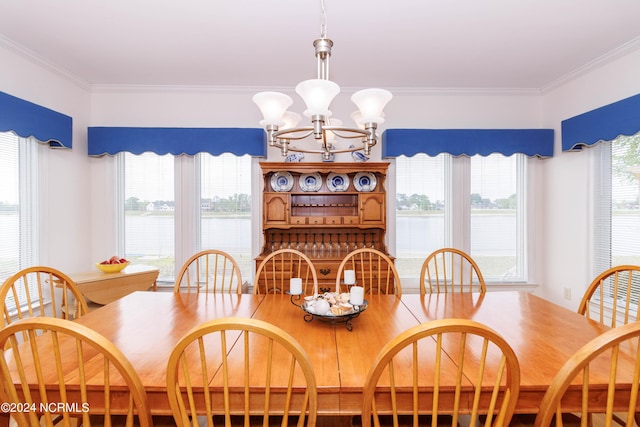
x=42, y=62
x=464, y=91
x=619, y=52
x=142, y=88
x=404, y=91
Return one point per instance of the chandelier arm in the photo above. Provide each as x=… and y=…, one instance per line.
x=304, y=150
x=350, y=132
x=343, y=150
x=295, y=133
x=284, y=147
x=348, y=150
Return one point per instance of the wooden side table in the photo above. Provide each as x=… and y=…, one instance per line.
x=103, y=288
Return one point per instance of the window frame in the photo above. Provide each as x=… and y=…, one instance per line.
x=602, y=206
x=458, y=216
x=187, y=215
x=31, y=172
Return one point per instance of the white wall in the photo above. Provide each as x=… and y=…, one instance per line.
x=564, y=208
x=66, y=213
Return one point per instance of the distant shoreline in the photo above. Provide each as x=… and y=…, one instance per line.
x=203, y=214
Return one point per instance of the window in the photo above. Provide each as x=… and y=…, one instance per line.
x=615, y=172
x=18, y=204
x=617, y=211
x=9, y=205
x=616, y=203
x=148, y=218
x=175, y=206
x=421, y=204
x=225, y=207
x=497, y=233
x=476, y=204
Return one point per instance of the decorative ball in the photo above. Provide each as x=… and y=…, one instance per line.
x=321, y=307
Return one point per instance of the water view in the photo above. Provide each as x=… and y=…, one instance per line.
x=151, y=239
x=420, y=234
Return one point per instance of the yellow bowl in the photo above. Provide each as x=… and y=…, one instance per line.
x=111, y=268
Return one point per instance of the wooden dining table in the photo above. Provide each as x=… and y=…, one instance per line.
x=147, y=325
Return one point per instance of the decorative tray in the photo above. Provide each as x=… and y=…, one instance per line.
x=364, y=181
x=310, y=181
x=331, y=307
x=337, y=181
x=282, y=181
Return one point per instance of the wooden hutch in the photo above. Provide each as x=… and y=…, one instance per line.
x=325, y=210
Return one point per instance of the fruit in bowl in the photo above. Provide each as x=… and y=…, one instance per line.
x=112, y=265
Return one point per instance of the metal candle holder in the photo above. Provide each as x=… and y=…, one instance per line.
x=345, y=318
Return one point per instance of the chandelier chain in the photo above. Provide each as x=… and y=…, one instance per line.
x=323, y=20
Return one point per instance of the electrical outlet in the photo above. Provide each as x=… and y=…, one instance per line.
x=567, y=293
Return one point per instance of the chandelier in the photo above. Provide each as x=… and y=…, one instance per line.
x=281, y=125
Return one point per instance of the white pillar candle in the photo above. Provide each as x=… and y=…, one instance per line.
x=349, y=277
x=356, y=295
x=295, y=286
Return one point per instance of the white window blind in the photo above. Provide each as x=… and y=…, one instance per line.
x=497, y=216
x=481, y=210
x=225, y=207
x=617, y=211
x=18, y=205
x=148, y=211
x=9, y=205
x=421, y=209
x=616, y=203
x=221, y=212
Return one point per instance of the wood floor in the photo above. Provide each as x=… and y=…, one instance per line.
x=321, y=422
x=526, y=421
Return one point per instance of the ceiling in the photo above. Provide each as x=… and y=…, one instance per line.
x=400, y=44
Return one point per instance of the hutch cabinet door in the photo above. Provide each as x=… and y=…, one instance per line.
x=276, y=208
x=372, y=209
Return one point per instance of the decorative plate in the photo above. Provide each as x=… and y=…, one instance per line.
x=364, y=181
x=281, y=181
x=310, y=181
x=338, y=181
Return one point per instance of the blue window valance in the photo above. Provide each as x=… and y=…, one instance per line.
x=602, y=124
x=28, y=119
x=177, y=141
x=467, y=142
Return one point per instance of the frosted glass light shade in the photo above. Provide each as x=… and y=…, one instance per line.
x=290, y=119
x=317, y=95
x=272, y=105
x=330, y=136
x=371, y=102
x=357, y=118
